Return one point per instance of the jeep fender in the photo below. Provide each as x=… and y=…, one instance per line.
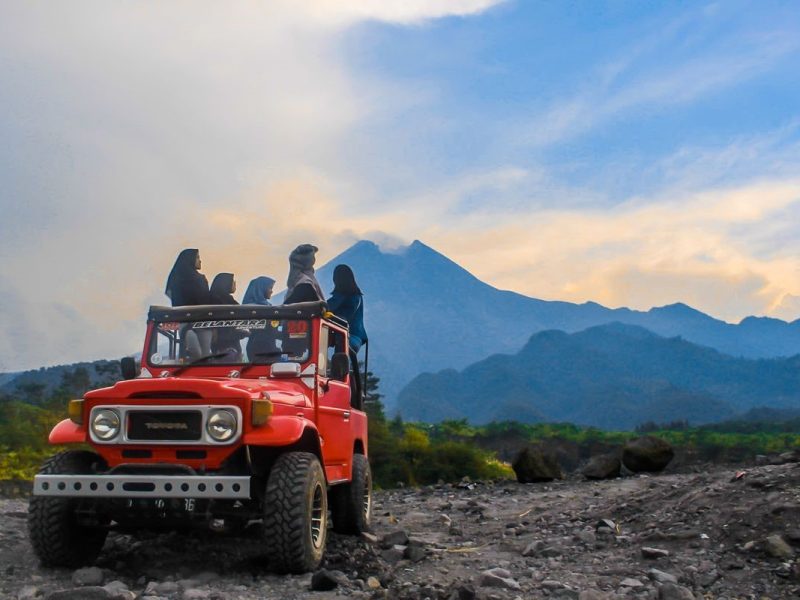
x=280, y=430
x=67, y=432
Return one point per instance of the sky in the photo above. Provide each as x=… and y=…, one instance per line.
x=630, y=153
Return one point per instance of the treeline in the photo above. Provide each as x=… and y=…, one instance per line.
x=404, y=453
x=415, y=454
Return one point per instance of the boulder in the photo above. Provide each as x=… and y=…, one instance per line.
x=603, y=466
x=533, y=465
x=647, y=454
x=777, y=547
x=325, y=580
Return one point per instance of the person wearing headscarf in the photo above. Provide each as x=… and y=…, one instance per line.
x=223, y=288
x=259, y=291
x=186, y=285
x=225, y=339
x=302, y=284
x=347, y=302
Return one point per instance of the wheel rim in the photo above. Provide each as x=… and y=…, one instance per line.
x=318, y=511
x=367, y=496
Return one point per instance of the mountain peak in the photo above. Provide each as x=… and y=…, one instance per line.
x=679, y=309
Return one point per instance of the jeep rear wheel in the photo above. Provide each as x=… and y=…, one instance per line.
x=295, y=513
x=57, y=537
x=352, y=502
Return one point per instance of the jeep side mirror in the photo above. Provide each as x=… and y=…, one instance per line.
x=128, y=367
x=340, y=366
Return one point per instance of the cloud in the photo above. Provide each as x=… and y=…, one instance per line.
x=134, y=129
x=696, y=248
x=405, y=12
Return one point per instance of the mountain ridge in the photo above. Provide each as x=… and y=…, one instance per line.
x=609, y=376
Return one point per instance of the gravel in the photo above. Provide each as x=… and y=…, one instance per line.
x=672, y=537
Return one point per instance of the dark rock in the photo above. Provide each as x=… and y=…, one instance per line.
x=534, y=548
x=415, y=552
x=88, y=576
x=604, y=466
x=654, y=552
x=647, y=454
x=777, y=547
x=396, y=538
x=671, y=591
x=533, y=465
x=661, y=576
x=463, y=592
x=81, y=593
x=606, y=527
x=393, y=555
x=325, y=581
x=793, y=535
x=370, y=538
x=498, y=578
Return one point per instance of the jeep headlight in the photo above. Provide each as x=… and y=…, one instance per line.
x=105, y=424
x=221, y=425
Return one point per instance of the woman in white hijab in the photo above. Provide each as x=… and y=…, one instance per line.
x=302, y=284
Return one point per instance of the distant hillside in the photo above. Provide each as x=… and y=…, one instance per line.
x=612, y=376
x=425, y=313
x=74, y=378
x=6, y=377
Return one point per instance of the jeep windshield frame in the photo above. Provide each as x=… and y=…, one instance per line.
x=231, y=335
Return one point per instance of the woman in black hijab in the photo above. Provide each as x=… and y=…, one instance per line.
x=186, y=285
x=222, y=289
x=226, y=339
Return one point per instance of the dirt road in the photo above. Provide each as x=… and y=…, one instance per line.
x=681, y=536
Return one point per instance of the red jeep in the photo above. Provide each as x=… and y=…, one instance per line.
x=239, y=414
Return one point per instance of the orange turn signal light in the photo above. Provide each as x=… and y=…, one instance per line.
x=75, y=411
x=260, y=411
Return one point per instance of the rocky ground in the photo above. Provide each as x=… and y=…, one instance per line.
x=710, y=534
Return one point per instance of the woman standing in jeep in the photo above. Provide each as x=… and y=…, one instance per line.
x=186, y=285
x=347, y=302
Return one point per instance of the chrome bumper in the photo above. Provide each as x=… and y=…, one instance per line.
x=142, y=486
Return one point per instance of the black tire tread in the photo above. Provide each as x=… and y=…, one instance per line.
x=56, y=539
x=347, y=500
x=285, y=513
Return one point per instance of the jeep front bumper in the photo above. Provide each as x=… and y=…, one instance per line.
x=143, y=486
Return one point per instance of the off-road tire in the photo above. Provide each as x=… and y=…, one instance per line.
x=352, y=502
x=295, y=513
x=57, y=538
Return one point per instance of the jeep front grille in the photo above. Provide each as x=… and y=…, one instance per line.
x=163, y=425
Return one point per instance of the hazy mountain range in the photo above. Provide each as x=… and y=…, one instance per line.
x=612, y=376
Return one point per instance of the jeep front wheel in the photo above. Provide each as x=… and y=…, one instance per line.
x=295, y=513
x=352, y=502
x=57, y=537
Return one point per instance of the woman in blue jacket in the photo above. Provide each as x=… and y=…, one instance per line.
x=347, y=302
